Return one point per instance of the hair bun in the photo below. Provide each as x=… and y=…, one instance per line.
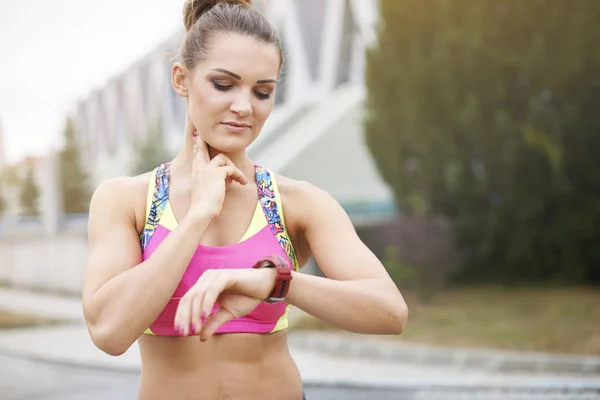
x=193, y=9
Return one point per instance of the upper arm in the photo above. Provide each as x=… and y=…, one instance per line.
x=332, y=239
x=113, y=241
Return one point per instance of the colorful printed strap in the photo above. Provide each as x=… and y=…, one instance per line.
x=267, y=198
x=159, y=202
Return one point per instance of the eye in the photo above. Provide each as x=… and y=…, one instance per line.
x=262, y=96
x=222, y=88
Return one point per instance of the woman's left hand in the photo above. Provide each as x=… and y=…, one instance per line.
x=237, y=292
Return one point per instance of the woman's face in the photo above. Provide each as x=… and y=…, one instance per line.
x=231, y=93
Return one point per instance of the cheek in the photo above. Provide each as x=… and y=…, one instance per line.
x=205, y=104
x=262, y=110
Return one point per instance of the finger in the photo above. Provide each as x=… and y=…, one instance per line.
x=235, y=174
x=209, y=300
x=230, y=163
x=200, y=149
x=196, y=310
x=182, y=315
x=200, y=289
x=214, y=322
x=230, y=178
x=220, y=160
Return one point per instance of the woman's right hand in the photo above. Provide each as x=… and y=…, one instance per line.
x=210, y=179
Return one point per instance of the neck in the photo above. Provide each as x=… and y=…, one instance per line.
x=182, y=163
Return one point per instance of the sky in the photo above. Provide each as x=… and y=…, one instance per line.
x=53, y=53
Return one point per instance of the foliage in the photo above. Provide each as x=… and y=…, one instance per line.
x=3, y=204
x=29, y=194
x=486, y=113
x=74, y=178
x=150, y=152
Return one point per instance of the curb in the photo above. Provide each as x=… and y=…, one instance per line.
x=55, y=307
x=532, y=387
x=95, y=365
x=388, y=372
x=369, y=348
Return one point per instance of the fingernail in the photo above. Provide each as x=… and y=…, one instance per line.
x=195, y=133
x=203, y=315
x=202, y=340
x=195, y=328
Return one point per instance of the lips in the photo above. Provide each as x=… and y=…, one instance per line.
x=236, y=124
x=235, y=127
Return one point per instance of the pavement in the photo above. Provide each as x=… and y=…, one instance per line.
x=331, y=360
x=22, y=379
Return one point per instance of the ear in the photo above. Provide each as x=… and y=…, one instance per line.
x=179, y=79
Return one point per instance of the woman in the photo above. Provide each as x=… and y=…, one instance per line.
x=222, y=239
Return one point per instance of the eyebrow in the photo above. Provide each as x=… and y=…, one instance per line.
x=239, y=78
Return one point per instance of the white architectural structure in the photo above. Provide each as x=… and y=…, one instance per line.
x=315, y=131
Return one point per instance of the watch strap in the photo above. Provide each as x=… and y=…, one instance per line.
x=282, y=279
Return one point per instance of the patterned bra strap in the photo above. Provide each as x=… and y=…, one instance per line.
x=159, y=202
x=267, y=198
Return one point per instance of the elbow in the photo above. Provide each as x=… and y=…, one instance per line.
x=400, y=319
x=108, y=340
x=397, y=319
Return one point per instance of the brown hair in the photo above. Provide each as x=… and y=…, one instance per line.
x=203, y=18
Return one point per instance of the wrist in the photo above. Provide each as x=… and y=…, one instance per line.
x=200, y=217
x=268, y=276
x=256, y=283
x=193, y=226
x=279, y=278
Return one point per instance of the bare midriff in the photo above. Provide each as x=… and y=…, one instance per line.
x=230, y=366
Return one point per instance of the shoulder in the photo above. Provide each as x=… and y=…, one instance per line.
x=120, y=188
x=293, y=188
x=305, y=202
x=314, y=218
x=124, y=195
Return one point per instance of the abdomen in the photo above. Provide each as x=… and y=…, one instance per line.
x=228, y=366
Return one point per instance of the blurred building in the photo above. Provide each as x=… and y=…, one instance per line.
x=8, y=179
x=12, y=177
x=314, y=133
x=4, y=187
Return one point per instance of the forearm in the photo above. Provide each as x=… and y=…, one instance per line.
x=369, y=306
x=125, y=306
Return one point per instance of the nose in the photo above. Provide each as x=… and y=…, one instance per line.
x=241, y=106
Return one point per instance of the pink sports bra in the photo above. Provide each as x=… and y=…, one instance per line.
x=265, y=236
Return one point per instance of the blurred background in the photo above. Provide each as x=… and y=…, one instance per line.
x=461, y=136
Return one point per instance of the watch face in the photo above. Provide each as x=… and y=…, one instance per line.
x=282, y=279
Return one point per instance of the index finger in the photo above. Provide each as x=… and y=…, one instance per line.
x=200, y=149
x=235, y=174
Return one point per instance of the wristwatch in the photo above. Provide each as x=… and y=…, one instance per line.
x=282, y=280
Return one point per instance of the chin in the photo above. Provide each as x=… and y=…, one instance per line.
x=229, y=145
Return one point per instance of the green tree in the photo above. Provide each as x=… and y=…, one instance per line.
x=3, y=204
x=486, y=112
x=74, y=178
x=29, y=194
x=150, y=152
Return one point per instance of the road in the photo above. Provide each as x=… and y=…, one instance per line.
x=28, y=380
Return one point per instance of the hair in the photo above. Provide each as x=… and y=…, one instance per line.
x=204, y=18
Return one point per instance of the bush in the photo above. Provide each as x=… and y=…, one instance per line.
x=419, y=253
x=486, y=113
